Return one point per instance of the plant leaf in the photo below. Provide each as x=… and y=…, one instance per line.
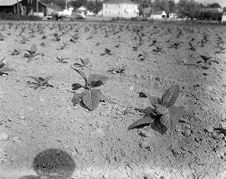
x=170, y=96
x=82, y=74
x=100, y=95
x=95, y=80
x=78, y=65
x=2, y=64
x=76, y=86
x=176, y=113
x=153, y=99
x=166, y=121
x=146, y=120
x=85, y=61
x=33, y=49
x=91, y=99
x=76, y=98
x=148, y=111
x=160, y=109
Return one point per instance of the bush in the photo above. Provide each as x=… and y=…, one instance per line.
x=10, y=16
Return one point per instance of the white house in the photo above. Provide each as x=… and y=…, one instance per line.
x=120, y=8
x=159, y=15
x=223, y=17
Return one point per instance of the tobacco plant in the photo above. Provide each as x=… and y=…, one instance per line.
x=206, y=61
x=4, y=69
x=90, y=97
x=84, y=63
x=162, y=115
x=61, y=59
x=39, y=82
x=32, y=53
x=106, y=52
x=14, y=52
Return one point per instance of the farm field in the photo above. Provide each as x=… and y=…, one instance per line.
x=134, y=59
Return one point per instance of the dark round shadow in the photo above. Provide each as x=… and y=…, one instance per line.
x=54, y=163
x=30, y=177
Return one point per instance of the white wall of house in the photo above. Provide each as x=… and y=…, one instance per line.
x=159, y=15
x=120, y=10
x=224, y=17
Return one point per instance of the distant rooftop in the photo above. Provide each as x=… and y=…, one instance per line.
x=8, y=2
x=119, y=2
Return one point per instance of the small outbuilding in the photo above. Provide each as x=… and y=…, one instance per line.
x=158, y=15
x=25, y=7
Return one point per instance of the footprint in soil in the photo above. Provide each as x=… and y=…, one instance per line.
x=52, y=164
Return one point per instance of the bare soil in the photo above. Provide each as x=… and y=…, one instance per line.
x=34, y=120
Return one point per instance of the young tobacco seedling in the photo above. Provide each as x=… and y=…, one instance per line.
x=40, y=82
x=62, y=46
x=30, y=54
x=157, y=49
x=90, y=97
x=61, y=59
x=206, y=61
x=120, y=70
x=84, y=63
x=106, y=52
x=4, y=69
x=163, y=114
x=175, y=45
x=14, y=52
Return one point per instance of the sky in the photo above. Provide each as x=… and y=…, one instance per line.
x=221, y=2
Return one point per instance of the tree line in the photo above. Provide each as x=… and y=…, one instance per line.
x=184, y=8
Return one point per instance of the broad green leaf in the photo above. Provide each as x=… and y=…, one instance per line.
x=95, y=80
x=170, y=96
x=166, y=121
x=76, y=98
x=100, y=95
x=91, y=99
x=146, y=120
x=154, y=100
x=176, y=113
x=160, y=109
x=76, y=86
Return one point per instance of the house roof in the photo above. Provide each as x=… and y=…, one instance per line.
x=119, y=2
x=8, y=2
x=82, y=8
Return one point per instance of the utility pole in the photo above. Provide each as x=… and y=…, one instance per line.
x=37, y=6
x=65, y=4
x=17, y=6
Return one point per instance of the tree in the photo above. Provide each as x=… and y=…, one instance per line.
x=60, y=3
x=172, y=6
x=188, y=8
x=94, y=6
x=78, y=3
x=214, y=5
